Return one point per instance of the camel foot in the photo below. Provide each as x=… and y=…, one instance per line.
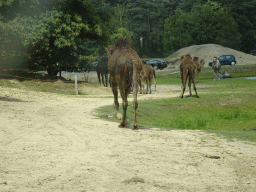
x=197, y=96
x=122, y=125
x=119, y=116
x=135, y=126
x=181, y=96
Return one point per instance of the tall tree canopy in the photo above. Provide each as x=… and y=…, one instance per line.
x=208, y=23
x=70, y=32
x=57, y=35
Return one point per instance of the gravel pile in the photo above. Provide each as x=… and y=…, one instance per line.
x=208, y=51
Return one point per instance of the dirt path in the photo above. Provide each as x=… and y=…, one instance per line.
x=54, y=143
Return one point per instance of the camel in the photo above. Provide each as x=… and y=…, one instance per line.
x=198, y=67
x=102, y=70
x=188, y=69
x=216, y=68
x=147, y=74
x=124, y=66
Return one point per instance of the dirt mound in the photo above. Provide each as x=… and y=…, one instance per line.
x=208, y=51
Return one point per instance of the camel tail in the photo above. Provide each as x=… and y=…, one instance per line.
x=135, y=90
x=154, y=78
x=122, y=42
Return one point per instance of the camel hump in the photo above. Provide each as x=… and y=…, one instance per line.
x=123, y=42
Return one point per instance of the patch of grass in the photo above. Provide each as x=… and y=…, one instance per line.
x=225, y=113
x=226, y=107
x=59, y=87
x=37, y=85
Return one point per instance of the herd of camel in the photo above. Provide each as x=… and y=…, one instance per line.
x=147, y=74
x=128, y=71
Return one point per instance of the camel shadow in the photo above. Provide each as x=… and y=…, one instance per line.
x=11, y=99
x=128, y=126
x=193, y=96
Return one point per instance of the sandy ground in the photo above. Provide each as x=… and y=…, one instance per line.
x=50, y=142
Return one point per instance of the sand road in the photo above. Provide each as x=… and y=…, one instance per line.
x=50, y=142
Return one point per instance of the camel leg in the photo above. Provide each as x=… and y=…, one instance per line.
x=99, y=78
x=183, y=84
x=106, y=78
x=124, y=93
x=189, y=85
x=154, y=82
x=102, y=78
x=183, y=88
x=135, y=101
x=195, y=90
x=150, y=84
x=116, y=104
x=142, y=85
x=147, y=85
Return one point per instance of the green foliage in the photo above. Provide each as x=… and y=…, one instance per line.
x=209, y=23
x=118, y=25
x=56, y=36
x=120, y=32
x=147, y=19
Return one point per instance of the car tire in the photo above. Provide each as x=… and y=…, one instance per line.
x=233, y=63
x=155, y=67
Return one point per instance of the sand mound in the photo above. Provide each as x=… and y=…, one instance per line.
x=208, y=51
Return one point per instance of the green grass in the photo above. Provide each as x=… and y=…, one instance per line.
x=226, y=107
x=224, y=112
x=37, y=85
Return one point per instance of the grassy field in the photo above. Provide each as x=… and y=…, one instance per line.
x=226, y=107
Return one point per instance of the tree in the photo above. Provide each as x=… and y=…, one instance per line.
x=147, y=19
x=243, y=13
x=209, y=23
x=119, y=24
x=56, y=36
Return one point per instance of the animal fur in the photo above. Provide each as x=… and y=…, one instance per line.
x=188, y=70
x=124, y=66
x=147, y=74
x=102, y=71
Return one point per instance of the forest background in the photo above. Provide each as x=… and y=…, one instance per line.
x=35, y=34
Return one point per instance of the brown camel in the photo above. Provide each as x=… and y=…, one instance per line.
x=188, y=69
x=124, y=67
x=147, y=74
x=102, y=70
x=198, y=67
x=201, y=65
x=184, y=57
